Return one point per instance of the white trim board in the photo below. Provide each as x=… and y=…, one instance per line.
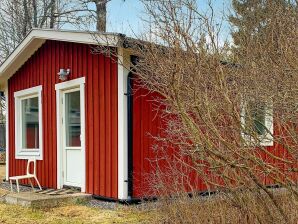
x=60, y=87
x=122, y=127
x=70, y=84
x=26, y=92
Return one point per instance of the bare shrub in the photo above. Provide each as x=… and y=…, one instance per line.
x=230, y=113
x=249, y=207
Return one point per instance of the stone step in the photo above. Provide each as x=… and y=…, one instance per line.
x=40, y=200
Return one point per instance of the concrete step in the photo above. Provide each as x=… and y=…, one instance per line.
x=38, y=200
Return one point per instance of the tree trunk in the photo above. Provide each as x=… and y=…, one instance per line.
x=26, y=18
x=53, y=13
x=101, y=14
x=35, y=24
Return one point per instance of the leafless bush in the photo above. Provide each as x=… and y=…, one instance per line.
x=230, y=110
x=250, y=207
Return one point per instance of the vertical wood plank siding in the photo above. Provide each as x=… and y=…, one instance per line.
x=148, y=123
x=101, y=113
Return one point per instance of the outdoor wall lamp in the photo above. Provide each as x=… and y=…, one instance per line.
x=63, y=74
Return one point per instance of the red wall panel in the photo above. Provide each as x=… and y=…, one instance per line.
x=148, y=123
x=100, y=109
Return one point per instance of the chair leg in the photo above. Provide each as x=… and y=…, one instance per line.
x=11, y=189
x=31, y=184
x=38, y=183
x=18, y=187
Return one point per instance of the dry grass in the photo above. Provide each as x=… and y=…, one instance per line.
x=225, y=209
x=180, y=210
x=68, y=214
x=2, y=172
x=2, y=176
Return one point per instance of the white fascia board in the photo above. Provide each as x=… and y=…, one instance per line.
x=18, y=57
x=36, y=38
x=107, y=39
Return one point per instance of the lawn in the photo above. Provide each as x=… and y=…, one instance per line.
x=69, y=214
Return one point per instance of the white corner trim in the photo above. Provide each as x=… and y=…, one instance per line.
x=122, y=128
x=60, y=87
x=7, y=132
x=19, y=96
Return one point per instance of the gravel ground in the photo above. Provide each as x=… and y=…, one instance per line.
x=94, y=203
x=103, y=204
x=6, y=186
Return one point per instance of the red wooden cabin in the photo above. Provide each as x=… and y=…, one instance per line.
x=85, y=130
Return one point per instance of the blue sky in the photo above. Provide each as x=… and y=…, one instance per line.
x=125, y=16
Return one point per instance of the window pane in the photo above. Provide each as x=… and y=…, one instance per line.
x=259, y=120
x=256, y=116
x=30, y=123
x=73, y=119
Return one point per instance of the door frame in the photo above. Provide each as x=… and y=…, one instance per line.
x=60, y=88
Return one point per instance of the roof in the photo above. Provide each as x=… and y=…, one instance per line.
x=37, y=37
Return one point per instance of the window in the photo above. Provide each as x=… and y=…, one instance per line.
x=73, y=119
x=28, y=123
x=257, y=123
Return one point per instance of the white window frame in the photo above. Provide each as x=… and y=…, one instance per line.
x=20, y=152
x=265, y=140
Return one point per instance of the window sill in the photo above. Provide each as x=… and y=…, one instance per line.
x=267, y=141
x=27, y=154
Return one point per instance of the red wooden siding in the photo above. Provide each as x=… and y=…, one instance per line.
x=32, y=136
x=148, y=123
x=100, y=109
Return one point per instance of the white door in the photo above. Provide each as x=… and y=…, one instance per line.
x=72, y=160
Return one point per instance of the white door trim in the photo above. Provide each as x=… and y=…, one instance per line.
x=60, y=87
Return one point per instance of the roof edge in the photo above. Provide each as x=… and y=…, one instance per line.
x=36, y=37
